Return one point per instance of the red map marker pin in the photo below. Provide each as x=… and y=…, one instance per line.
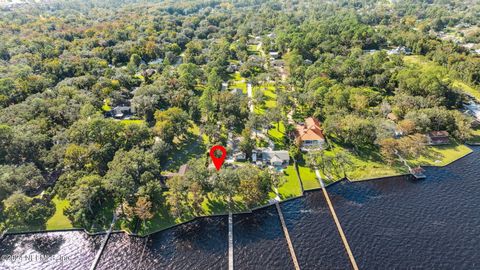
x=218, y=161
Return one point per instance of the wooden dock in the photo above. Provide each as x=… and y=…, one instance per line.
x=230, y=241
x=287, y=236
x=337, y=222
x=418, y=173
x=104, y=244
x=3, y=234
x=143, y=251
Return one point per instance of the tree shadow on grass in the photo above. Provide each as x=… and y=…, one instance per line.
x=218, y=207
x=189, y=148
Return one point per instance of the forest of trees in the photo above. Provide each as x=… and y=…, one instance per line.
x=62, y=63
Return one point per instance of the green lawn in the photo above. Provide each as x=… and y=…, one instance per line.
x=59, y=220
x=442, y=155
x=292, y=187
x=210, y=206
x=161, y=220
x=467, y=89
x=269, y=95
x=371, y=169
x=194, y=146
x=277, y=135
x=368, y=165
x=106, y=105
x=309, y=178
x=237, y=81
x=476, y=136
x=132, y=121
x=253, y=49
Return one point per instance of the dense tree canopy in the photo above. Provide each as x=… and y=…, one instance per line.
x=66, y=65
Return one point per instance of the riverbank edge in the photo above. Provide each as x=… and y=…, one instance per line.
x=226, y=214
x=405, y=174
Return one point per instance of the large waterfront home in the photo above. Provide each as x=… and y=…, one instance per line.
x=275, y=158
x=309, y=136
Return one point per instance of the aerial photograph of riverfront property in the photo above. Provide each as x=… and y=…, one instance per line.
x=239, y=134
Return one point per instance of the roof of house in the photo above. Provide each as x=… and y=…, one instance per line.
x=392, y=116
x=181, y=172
x=310, y=131
x=438, y=134
x=279, y=155
x=183, y=169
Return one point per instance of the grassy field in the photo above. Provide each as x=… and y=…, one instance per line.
x=189, y=148
x=309, y=178
x=59, y=220
x=253, y=49
x=442, y=155
x=106, y=105
x=368, y=165
x=291, y=188
x=476, y=137
x=237, y=81
x=277, y=135
x=132, y=121
x=269, y=95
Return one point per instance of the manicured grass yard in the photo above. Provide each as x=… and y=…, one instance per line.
x=442, y=155
x=292, y=187
x=277, y=135
x=269, y=95
x=132, y=121
x=309, y=178
x=252, y=49
x=59, y=220
x=364, y=169
x=237, y=81
x=370, y=165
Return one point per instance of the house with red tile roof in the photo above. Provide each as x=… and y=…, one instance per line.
x=309, y=135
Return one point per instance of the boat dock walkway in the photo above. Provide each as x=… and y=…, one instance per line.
x=416, y=172
x=104, y=244
x=337, y=222
x=230, y=241
x=3, y=234
x=287, y=236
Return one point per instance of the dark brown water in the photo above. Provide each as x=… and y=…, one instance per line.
x=313, y=233
x=391, y=223
x=201, y=244
x=259, y=241
x=402, y=224
x=53, y=250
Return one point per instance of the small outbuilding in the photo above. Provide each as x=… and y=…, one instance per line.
x=122, y=111
x=438, y=137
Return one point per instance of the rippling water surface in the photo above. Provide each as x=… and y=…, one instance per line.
x=313, y=233
x=404, y=224
x=200, y=244
x=393, y=223
x=53, y=250
x=259, y=241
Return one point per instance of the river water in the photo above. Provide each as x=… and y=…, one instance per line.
x=394, y=223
